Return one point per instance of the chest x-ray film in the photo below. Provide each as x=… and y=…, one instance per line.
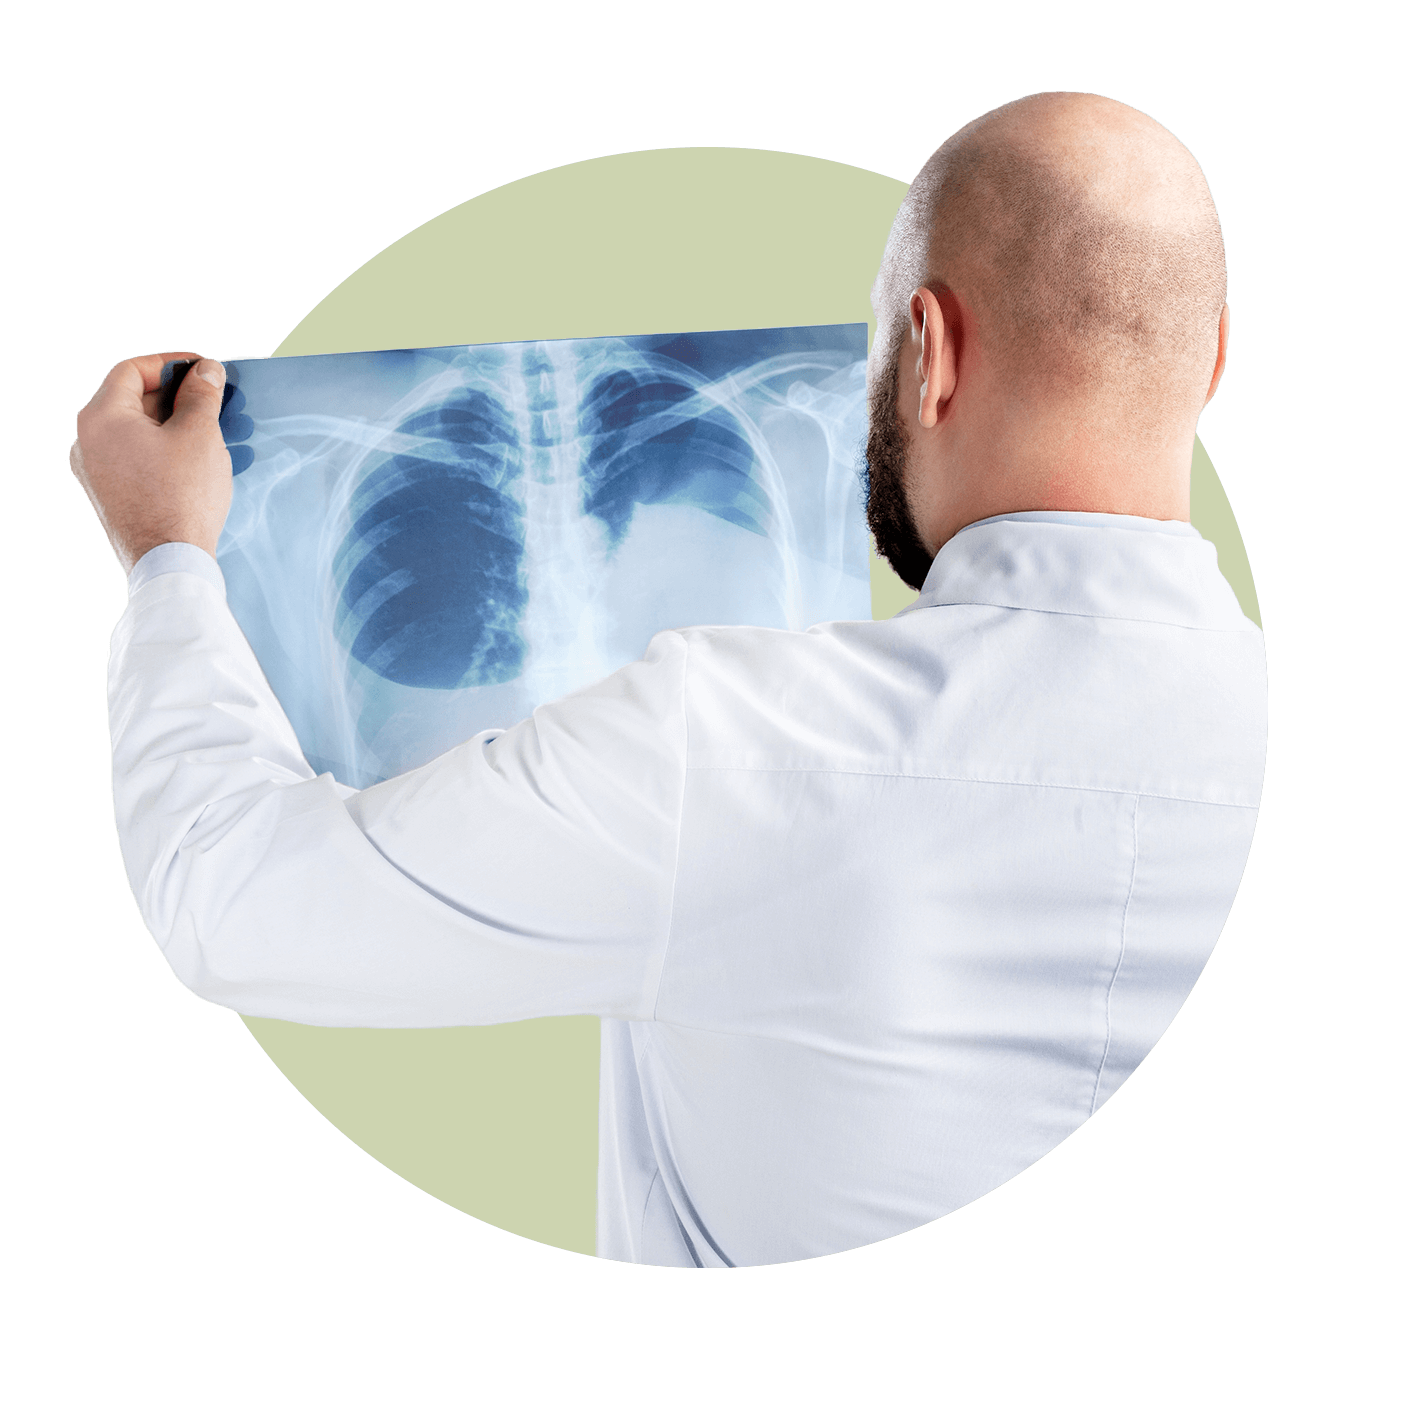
x=427, y=542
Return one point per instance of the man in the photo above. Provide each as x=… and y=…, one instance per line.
x=874, y=914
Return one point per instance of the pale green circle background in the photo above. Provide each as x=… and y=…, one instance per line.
x=501, y=1122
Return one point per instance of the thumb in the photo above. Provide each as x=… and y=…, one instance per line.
x=199, y=397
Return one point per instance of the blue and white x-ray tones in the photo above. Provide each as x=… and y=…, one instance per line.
x=425, y=543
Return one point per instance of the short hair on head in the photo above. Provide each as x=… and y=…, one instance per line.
x=1084, y=237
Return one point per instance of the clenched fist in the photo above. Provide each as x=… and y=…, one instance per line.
x=152, y=482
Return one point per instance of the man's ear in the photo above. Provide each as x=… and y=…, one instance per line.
x=937, y=341
x=1222, y=358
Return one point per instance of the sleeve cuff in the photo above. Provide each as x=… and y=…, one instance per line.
x=176, y=557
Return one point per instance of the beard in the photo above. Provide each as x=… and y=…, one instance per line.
x=884, y=473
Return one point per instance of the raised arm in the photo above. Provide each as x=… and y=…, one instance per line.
x=527, y=873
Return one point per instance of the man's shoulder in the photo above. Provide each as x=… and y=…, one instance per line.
x=837, y=692
x=984, y=691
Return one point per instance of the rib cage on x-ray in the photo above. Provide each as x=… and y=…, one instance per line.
x=429, y=542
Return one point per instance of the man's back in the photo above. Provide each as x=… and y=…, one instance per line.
x=942, y=882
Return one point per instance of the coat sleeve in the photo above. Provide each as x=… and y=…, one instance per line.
x=526, y=873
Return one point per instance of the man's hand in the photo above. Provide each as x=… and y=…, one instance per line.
x=153, y=482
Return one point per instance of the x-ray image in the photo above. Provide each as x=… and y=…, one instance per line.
x=427, y=542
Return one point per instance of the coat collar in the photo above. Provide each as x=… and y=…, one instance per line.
x=1086, y=563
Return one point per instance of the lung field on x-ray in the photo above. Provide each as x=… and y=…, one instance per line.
x=432, y=578
x=429, y=574
x=652, y=438
x=425, y=543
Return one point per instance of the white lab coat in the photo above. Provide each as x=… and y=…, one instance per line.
x=875, y=914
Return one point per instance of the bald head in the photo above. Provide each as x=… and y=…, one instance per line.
x=1083, y=237
x=1051, y=323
